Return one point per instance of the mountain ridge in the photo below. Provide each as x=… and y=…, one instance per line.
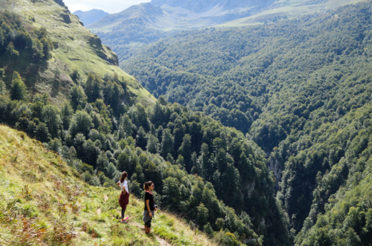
x=90, y=16
x=182, y=12
x=202, y=6
x=155, y=20
x=302, y=90
x=73, y=49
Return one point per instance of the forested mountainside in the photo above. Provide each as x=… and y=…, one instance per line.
x=130, y=28
x=233, y=74
x=328, y=185
x=145, y=23
x=44, y=202
x=51, y=51
x=60, y=85
x=301, y=89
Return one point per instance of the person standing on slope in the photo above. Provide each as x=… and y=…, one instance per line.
x=124, y=195
x=150, y=206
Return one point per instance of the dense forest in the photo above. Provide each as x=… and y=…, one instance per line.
x=234, y=75
x=147, y=22
x=141, y=142
x=335, y=174
x=294, y=87
x=284, y=156
x=22, y=49
x=209, y=174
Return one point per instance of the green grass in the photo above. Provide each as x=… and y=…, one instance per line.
x=44, y=202
x=72, y=48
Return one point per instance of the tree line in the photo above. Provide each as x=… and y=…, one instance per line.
x=211, y=175
x=284, y=85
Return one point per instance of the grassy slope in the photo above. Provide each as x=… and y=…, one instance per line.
x=73, y=50
x=43, y=202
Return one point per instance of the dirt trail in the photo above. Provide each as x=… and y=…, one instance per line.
x=161, y=241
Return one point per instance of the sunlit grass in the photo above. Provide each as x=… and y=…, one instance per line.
x=72, y=49
x=43, y=203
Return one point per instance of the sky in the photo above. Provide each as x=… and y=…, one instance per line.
x=110, y=6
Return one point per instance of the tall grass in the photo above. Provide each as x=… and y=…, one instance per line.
x=42, y=202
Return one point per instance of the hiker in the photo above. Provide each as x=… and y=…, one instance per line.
x=150, y=206
x=124, y=195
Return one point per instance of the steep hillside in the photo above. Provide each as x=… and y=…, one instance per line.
x=328, y=185
x=103, y=124
x=284, y=84
x=148, y=22
x=44, y=202
x=164, y=145
x=74, y=52
x=130, y=28
x=142, y=24
x=233, y=74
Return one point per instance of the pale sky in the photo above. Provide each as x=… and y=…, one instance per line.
x=110, y=6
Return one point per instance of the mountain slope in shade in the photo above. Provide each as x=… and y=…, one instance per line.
x=90, y=16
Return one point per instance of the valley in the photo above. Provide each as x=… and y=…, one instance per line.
x=252, y=118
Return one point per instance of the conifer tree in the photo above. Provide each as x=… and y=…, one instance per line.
x=18, y=89
x=2, y=87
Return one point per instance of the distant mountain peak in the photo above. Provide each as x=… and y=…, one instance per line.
x=90, y=16
x=204, y=5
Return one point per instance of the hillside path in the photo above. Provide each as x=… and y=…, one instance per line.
x=161, y=241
